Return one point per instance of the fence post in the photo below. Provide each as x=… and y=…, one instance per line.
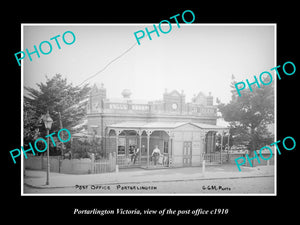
x=92, y=163
x=42, y=160
x=113, y=162
x=59, y=164
x=110, y=160
x=203, y=167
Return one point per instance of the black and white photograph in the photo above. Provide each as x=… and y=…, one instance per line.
x=137, y=111
x=160, y=109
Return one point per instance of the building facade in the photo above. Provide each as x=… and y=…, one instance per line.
x=184, y=132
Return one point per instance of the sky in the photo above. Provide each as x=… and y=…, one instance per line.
x=193, y=58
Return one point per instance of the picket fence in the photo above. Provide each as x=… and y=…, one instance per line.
x=72, y=166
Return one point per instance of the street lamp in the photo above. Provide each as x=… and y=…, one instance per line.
x=48, y=123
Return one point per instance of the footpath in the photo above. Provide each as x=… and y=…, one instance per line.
x=37, y=179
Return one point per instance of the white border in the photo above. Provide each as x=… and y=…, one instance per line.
x=22, y=114
x=150, y=194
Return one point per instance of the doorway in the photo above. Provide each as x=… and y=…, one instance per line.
x=187, y=153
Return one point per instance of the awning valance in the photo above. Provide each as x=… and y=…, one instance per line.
x=167, y=126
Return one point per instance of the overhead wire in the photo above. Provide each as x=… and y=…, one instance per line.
x=100, y=71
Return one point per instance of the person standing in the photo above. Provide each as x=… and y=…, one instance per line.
x=132, y=152
x=155, y=154
x=136, y=153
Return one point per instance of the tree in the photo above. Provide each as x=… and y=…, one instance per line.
x=57, y=97
x=249, y=115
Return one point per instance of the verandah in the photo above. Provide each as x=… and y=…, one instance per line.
x=125, y=138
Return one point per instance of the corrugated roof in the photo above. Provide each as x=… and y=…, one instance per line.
x=169, y=125
x=209, y=126
x=147, y=125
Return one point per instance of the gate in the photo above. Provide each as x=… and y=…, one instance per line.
x=105, y=165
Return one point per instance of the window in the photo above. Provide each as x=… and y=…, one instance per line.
x=166, y=146
x=121, y=146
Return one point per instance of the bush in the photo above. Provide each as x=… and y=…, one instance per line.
x=82, y=148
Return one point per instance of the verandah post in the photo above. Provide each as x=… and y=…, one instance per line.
x=221, y=147
x=117, y=143
x=140, y=145
x=148, y=146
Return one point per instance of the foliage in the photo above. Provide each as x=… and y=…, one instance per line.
x=55, y=96
x=83, y=147
x=249, y=115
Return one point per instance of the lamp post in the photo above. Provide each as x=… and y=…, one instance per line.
x=48, y=123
